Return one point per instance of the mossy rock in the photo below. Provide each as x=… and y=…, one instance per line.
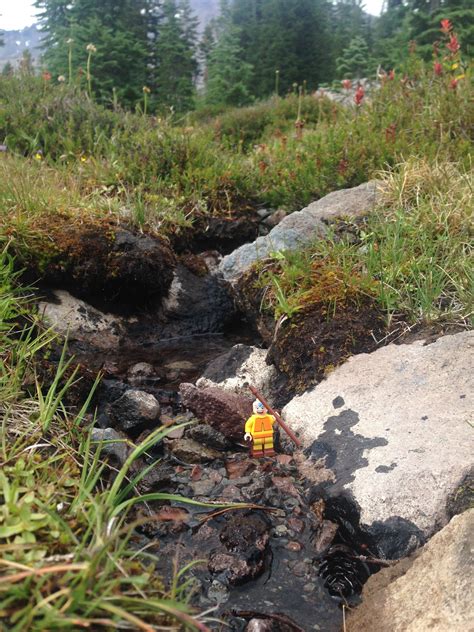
x=97, y=258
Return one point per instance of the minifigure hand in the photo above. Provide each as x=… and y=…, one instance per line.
x=247, y=436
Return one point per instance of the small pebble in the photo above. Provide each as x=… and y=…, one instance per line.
x=294, y=546
x=281, y=530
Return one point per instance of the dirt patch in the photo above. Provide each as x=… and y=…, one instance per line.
x=97, y=258
x=229, y=221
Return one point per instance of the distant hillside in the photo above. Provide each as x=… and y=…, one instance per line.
x=16, y=42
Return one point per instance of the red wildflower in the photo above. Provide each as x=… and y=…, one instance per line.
x=342, y=166
x=453, y=44
x=438, y=68
x=359, y=95
x=46, y=76
x=391, y=74
x=390, y=133
x=346, y=84
x=262, y=166
x=446, y=26
x=454, y=83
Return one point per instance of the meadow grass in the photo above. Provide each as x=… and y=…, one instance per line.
x=414, y=253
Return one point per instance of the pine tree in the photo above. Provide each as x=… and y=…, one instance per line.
x=7, y=70
x=355, y=62
x=175, y=70
x=116, y=29
x=228, y=75
x=391, y=35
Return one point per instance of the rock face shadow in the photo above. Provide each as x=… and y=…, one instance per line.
x=342, y=448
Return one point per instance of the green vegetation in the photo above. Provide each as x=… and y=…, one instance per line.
x=414, y=254
x=72, y=162
x=68, y=558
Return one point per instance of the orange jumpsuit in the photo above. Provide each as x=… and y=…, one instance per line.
x=261, y=429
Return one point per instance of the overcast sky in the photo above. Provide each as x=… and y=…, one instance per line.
x=15, y=14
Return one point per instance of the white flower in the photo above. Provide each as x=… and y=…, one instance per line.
x=90, y=48
x=61, y=78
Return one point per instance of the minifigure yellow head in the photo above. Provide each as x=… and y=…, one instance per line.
x=259, y=408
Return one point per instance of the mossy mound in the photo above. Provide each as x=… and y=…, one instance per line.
x=96, y=259
x=335, y=318
x=315, y=341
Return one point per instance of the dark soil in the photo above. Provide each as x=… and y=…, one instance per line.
x=223, y=232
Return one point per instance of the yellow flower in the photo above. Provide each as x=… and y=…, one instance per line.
x=460, y=77
x=38, y=156
x=83, y=159
x=454, y=66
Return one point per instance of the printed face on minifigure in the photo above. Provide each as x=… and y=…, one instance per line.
x=259, y=408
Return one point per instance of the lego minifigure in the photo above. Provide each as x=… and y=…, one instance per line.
x=259, y=430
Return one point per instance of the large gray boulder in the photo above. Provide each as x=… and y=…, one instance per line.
x=302, y=227
x=429, y=592
x=396, y=427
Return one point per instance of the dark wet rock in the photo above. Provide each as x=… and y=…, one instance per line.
x=134, y=409
x=294, y=546
x=207, y=435
x=203, y=488
x=231, y=493
x=111, y=443
x=159, y=478
x=196, y=304
x=218, y=592
x=242, y=556
x=300, y=569
x=224, y=411
x=190, y=451
x=238, y=467
x=110, y=390
x=254, y=492
x=324, y=536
